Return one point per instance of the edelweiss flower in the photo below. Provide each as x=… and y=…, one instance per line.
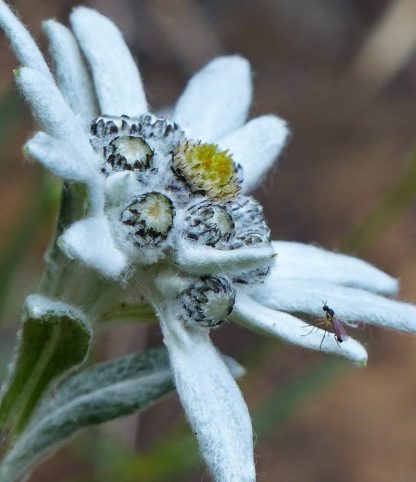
x=169, y=208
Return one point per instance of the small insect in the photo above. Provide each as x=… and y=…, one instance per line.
x=340, y=334
x=331, y=324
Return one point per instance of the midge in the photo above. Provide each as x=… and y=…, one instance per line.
x=330, y=321
x=340, y=334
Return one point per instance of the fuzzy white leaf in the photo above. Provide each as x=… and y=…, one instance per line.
x=216, y=99
x=293, y=330
x=71, y=71
x=59, y=158
x=22, y=42
x=117, y=80
x=212, y=401
x=198, y=259
x=256, y=146
x=350, y=304
x=90, y=242
x=51, y=110
x=299, y=261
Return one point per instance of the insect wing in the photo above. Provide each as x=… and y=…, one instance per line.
x=339, y=330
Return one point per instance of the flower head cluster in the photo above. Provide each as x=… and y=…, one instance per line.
x=164, y=193
x=169, y=208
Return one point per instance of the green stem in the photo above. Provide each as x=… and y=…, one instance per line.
x=58, y=266
x=127, y=312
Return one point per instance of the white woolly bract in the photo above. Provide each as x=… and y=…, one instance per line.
x=213, y=105
x=120, y=188
x=90, y=242
x=216, y=99
x=350, y=304
x=59, y=157
x=51, y=110
x=212, y=401
x=71, y=71
x=249, y=312
x=117, y=80
x=197, y=259
x=255, y=146
x=299, y=261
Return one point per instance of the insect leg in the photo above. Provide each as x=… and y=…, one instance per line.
x=323, y=338
x=316, y=325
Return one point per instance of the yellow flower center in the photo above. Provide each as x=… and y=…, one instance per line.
x=207, y=170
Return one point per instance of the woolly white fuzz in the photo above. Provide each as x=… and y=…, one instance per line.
x=116, y=77
x=212, y=401
x=299, y=261
x=39, y=307
x=256, y=316
x=120, y=188
x=197, y=259
x=71, y=71
x=51, y=110
x=256, y=146
x=350, y=304
x=59, y=157
x=125, y=230
x=216, y=99
x=90, y=242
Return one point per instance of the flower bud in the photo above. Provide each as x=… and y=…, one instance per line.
x=209, y=223
x=127, y=153
x=250, y=225
x=208, y=301
x=149, y=218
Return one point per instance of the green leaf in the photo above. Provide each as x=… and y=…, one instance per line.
x=54, y=339
x=100, y=393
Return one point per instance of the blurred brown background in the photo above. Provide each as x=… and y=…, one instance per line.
x=343, y=74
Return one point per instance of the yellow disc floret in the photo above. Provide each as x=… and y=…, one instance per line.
x=207, y=170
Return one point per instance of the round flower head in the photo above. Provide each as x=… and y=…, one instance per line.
x=206, y=170
x=170, y=213
x=208, y=222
